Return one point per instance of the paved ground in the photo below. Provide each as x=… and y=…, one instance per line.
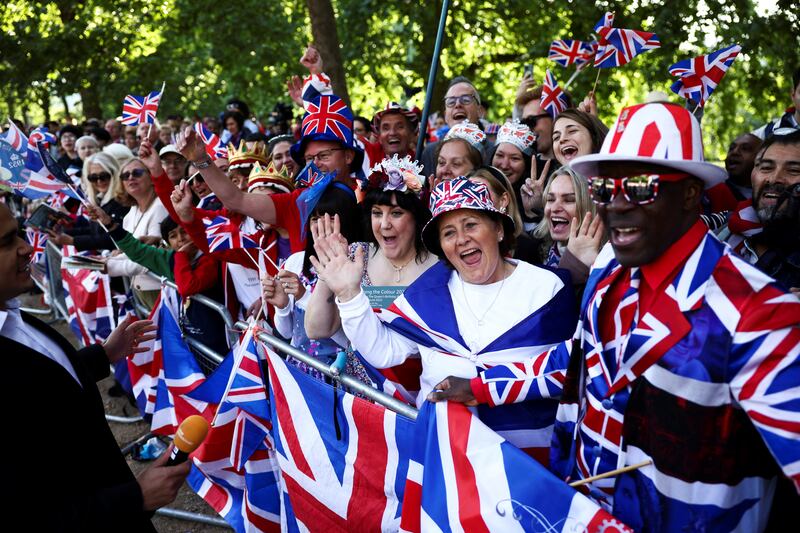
x=127, y=433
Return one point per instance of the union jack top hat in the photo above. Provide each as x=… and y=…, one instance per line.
x=328, y=118
x=662, y=134
x=459, y=193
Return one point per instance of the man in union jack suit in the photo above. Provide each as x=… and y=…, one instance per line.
x=685, y=355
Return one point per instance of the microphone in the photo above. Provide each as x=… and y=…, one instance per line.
x=190, y=435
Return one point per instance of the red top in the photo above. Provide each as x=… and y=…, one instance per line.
x=193, y=281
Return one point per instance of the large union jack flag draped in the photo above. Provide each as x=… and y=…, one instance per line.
x=328, y=114
x=141, y=109
x=88, y=298
x=463, y=476
x=568, y=52
x=617, y=46
x=214, y=147
x=698, y=77
x=553, y=100
x=222, y=234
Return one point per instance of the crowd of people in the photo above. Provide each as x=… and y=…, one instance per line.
x=607, y=293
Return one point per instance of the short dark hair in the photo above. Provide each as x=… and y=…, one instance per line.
x=70, y=128
x=407, y=201
x=364, y=120
x=235, y=115
x=464, y=79
x=256, y=137
x=788, y=139
x=101, y=134
x=166, y=226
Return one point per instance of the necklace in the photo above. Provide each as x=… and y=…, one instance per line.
x=496, y=296
x=398, y=270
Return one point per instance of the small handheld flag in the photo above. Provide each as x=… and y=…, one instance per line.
x=553, y=100
x=138, y=109
x=214, y=147
x=568, y=52
x=222, y=234
x=698, y=77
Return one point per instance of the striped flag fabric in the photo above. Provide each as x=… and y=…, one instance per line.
x=698, y=77
x=553, y=99
x=214, y=147
x=568, y=52
x=38, y=241
x=141, y=109
x=222, y=234
x=617, y=46
x=462, y=476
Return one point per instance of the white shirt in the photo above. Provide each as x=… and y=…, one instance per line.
x=138, y=224
x=13, y=327
x=525, y=291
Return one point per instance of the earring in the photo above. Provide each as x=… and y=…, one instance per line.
x=503, y=209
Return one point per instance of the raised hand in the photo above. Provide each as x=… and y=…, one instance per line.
x=335, y=268
x=190, y=145
x=589, y=104
x=532, y=191
x=150, y=158
x=453, y=389
x=294, y=88
x=585, y=241
x=181, y=200
x=312, y=60
x=61, y=239
x=126, y=337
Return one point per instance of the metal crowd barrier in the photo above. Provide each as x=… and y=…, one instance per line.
x=350, y=382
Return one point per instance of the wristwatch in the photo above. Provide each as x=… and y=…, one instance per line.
x=203, y=163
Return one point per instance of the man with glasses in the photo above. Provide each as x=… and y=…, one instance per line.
x=686, y=358
x=461, y=102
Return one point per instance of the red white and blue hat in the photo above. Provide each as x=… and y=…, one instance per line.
x=328, y=118
x=459, y=193
x=469, y=132
x=662, y=134
x=394, y=107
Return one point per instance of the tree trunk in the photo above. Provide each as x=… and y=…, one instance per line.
x=91, y=103
x=46, y=105
x=326, y=39
x=66, y=107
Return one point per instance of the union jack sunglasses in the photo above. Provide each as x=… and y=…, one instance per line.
x=639, y=190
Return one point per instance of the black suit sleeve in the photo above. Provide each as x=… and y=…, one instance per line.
x=95, y=360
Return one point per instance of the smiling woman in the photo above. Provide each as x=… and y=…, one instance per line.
x=472, y=310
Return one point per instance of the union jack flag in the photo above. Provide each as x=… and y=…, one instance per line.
x=222, y=234
x=214, y=147
x=238, y=385
x=617, y=46
x=606, y=22
x=553, y=100
x=141, y=109
x=328, y=114
x=88, y=298
x=41, y=135
x=699, y=77
x=35, y=180
x=465, y=477
x=347, y=480
x=567, y=52
x=38, y=242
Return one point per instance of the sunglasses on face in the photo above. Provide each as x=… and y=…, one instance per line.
x=464, y=99
x=135, y=173
x=639, y=190
x=100, y=176
x=531, y=120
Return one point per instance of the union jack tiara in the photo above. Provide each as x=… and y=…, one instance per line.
x=397, y=174
x=468, y=132
x=518, y=134
x=658, y=133
x=459, y=193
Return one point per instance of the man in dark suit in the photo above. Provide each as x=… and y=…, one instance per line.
x=66, y=469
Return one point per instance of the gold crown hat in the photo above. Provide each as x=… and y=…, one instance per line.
x=269, y=177
x=241, y=157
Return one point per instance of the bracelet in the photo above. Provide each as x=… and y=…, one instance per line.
x=203, y=163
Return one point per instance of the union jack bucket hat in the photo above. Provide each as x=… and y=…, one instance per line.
x=662, y=134
x=460, y=193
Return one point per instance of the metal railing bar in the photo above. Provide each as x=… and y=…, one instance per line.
x=350, y=382
x=194, y=517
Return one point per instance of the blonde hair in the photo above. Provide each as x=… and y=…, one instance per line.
x=583, y=202
x=108, y=164
x=120, y=194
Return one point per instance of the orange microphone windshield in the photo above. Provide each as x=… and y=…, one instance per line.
x=191, y=433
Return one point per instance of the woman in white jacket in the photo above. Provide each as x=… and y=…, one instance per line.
x=143, y=221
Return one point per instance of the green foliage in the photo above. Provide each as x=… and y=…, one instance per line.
x=208, y=51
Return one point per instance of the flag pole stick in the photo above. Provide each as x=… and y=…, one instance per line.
x=572, y=78
x=599, y=70
x=611, y=473
x=437, y=50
